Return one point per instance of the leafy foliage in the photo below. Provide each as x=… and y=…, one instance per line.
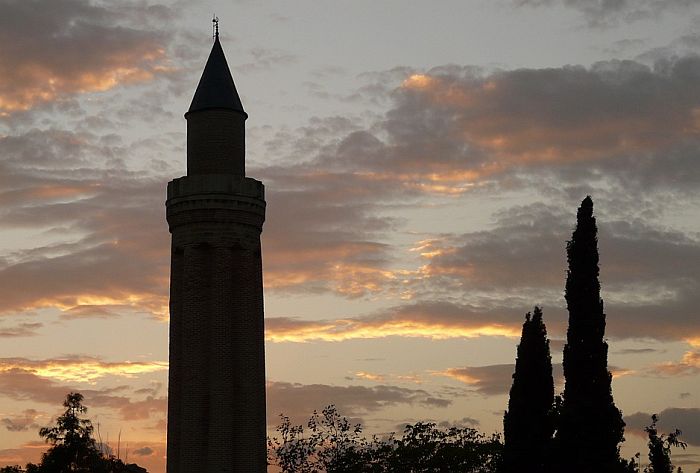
x=660, y=448
x=331, y=444
x=72, y=446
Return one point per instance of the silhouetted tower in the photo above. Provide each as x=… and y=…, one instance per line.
x=216, y=393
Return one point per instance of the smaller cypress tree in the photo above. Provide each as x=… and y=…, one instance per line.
x=527, y=424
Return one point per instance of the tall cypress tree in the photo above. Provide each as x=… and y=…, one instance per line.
x=527, y=425
x=590, y=427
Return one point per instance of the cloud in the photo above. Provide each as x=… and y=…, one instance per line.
x=25, y=385
x=487, y=380
x=143, y=451
x=685, y=419
x=322, y=233
x=75, y=46
x=115, y=252
x=24, y=329
x=688, y=365
x=435, y=320
x=602, y=13
x=370, y=376
x=521, y=261
x=492, y=380
x=524, y=249
x=80, y=368
x=454, y=129
x=464, y=422
x=645, y=270
x=298, y=401
x=327, y=227
x=23, y=422
x=636, y=351
x=264, y=59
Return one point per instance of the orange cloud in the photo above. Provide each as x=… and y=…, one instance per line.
x=402, y=378
x=491, y=379
x=370, y=376
x=301, y=259
x=620, y=372
x=77, y=48
x=298, y=401
x=80, y=369
x=295, y=330
x=460, y=374
x=452, y=129
x=511, y=116
x=688, y=365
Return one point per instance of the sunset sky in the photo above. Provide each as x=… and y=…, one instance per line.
x=423, y=163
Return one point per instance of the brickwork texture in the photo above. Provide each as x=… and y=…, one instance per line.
x=216, y=392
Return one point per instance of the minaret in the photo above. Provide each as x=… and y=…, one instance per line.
x=216, y=392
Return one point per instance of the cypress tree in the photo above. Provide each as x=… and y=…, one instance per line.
x=590, y=427
x=527, y=425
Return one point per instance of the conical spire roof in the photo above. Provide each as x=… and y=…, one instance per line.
x=216, y=88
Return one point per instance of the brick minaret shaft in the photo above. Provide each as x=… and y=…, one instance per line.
x=216, y=393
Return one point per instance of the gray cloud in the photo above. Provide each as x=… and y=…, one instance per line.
x=143, y=451
x=487, y=380
x=455, y=129
x=265, y=59
x=492, y=380
x=60, y=181
x=464, y=422
x=24, y=329
x=525, y=250
x=603, y=13
x=298, y=401
x=75, y=46
x=636, y=351
x=460, y=129
x=23, y=422
x=685, y=419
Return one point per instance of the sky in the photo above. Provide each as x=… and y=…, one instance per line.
x=423, y=164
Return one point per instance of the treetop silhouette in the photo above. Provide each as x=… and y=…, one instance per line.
x=590, y=427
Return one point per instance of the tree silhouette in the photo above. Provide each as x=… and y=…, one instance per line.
x=73, y=449
x=660, y=448
x=528, y=425
x=590, y=427
x=72, y=446
x=331, y=444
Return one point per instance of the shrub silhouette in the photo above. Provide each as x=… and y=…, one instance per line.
x=331, y=444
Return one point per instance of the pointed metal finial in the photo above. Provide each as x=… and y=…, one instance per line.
x=215, y=27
